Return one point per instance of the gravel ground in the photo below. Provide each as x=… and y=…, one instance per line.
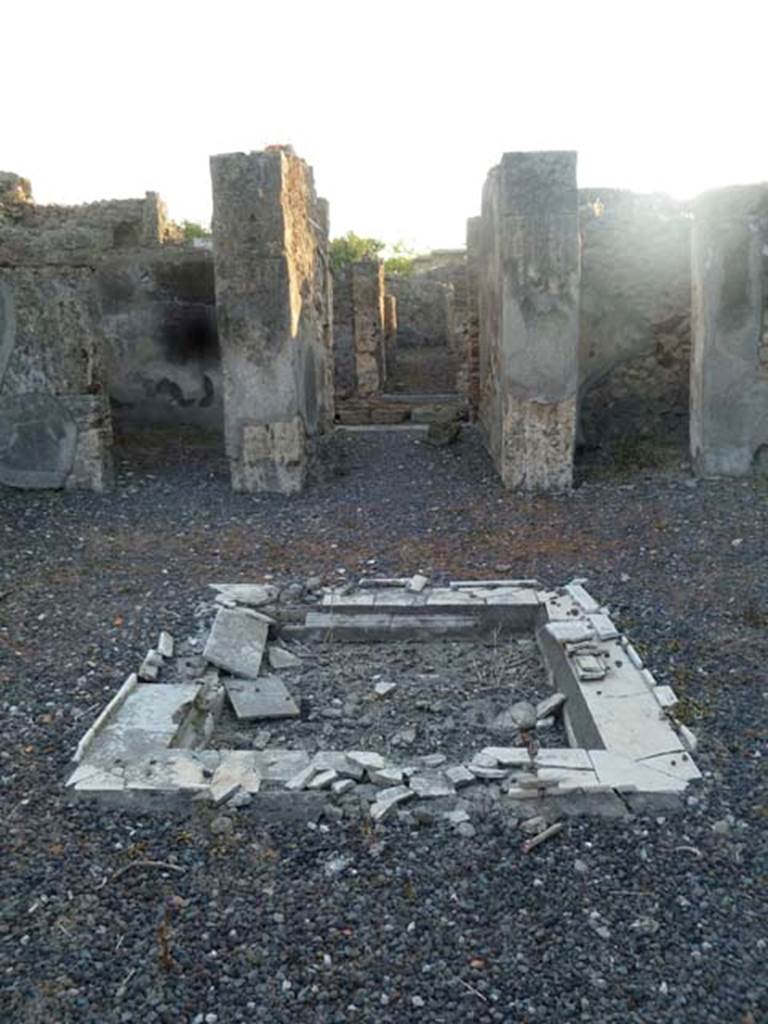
x=447, y=695
x=642, y=921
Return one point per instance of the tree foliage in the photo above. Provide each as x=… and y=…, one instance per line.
x=351, y=247
x=191, y=229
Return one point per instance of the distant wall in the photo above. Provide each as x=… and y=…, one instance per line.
x=635, y=334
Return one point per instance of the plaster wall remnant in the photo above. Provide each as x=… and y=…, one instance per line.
x=273, y=296
x=729, y=382
x=55, y=427
x=162, y=355
x=635, y=303
x=529, y=318
x=425, y=351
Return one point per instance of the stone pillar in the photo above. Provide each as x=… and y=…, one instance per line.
x=729, y=364
x=390, y=327
x=474, y=225
x=529, y=318
x=270, y=241
x=367, y=285
x=55, y=426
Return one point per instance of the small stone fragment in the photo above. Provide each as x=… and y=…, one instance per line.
x=456, y=817
x=433, y=760
x=466, y=829
x=550, y=705
x=417, y=583
x=236, y=642
x=253, y=594
x=221, y=825
x=366, y=759
x=405, y=737
x=302, y=778
x=388, y=799
x=533, y=826
x=279, y=657
x=545, y=723
x=165, y=644
x=385, y=776
x=481, y=772
x=459, y=775
x=261, y=739
x=383, y=689
x=151, y=665
x=522, y=715
x=342, y=786
x=431, y=785
x=323, y=779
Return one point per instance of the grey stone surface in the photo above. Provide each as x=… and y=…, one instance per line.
x=388, y=800
x=265, y=697
x=273, y=286
x=729, y=366
x=253, y=594
x=279, y=657
x=431, y=784
x=38, y=437
x=529, y=318
x=236, y=642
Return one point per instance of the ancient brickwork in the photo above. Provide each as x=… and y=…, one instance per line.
x=729, y=388
x=359, y=309
x=634, y=316
x=273, y=296
x=529, y=308
x=424, y=355
x=55, y=428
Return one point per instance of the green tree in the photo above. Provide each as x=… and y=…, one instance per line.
x=351, y=247
x=191, y=229
x=401, y=259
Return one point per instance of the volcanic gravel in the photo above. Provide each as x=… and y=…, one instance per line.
x=639, y=921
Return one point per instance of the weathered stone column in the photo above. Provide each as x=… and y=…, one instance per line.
x=270, y=235
x=390, y=328
x=729, y=364
x=529, y=318
x=367, y=283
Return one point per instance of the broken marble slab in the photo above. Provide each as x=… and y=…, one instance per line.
x=507, y=757
x=236, y=642
x=385, y=776
x=325, y=760
x=253, y=594
x=417, y=583
x=383, y=689
x=110, y=709
x=150, y=667
x=265, y=697
x=323, y=779
x=279, y=657
x=459, y=775
x=147, y=719
x=366, y=759
x=165, y=644
x=342, y=786
x=279, y=764
x=521, y=715
x=388, y=799
x=431, y=784
x=550, y=706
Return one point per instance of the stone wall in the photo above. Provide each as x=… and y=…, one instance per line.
x=55, y=427
x=359, y=340
x=163, y=362
x=424, y=358
x=472, y=342
x=729, y=366
x=529, y=309
x=273, y=299
x=634, y=316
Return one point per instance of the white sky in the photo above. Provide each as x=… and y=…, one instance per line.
x=401, y=106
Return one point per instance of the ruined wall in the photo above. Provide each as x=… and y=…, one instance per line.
x=472, y=318
x=635, y=316
x=529, y=309
x=424, y=358
x=162, y=357
x=55, y=428
x=729, y=366
x=359, y=344
x=273, y=296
